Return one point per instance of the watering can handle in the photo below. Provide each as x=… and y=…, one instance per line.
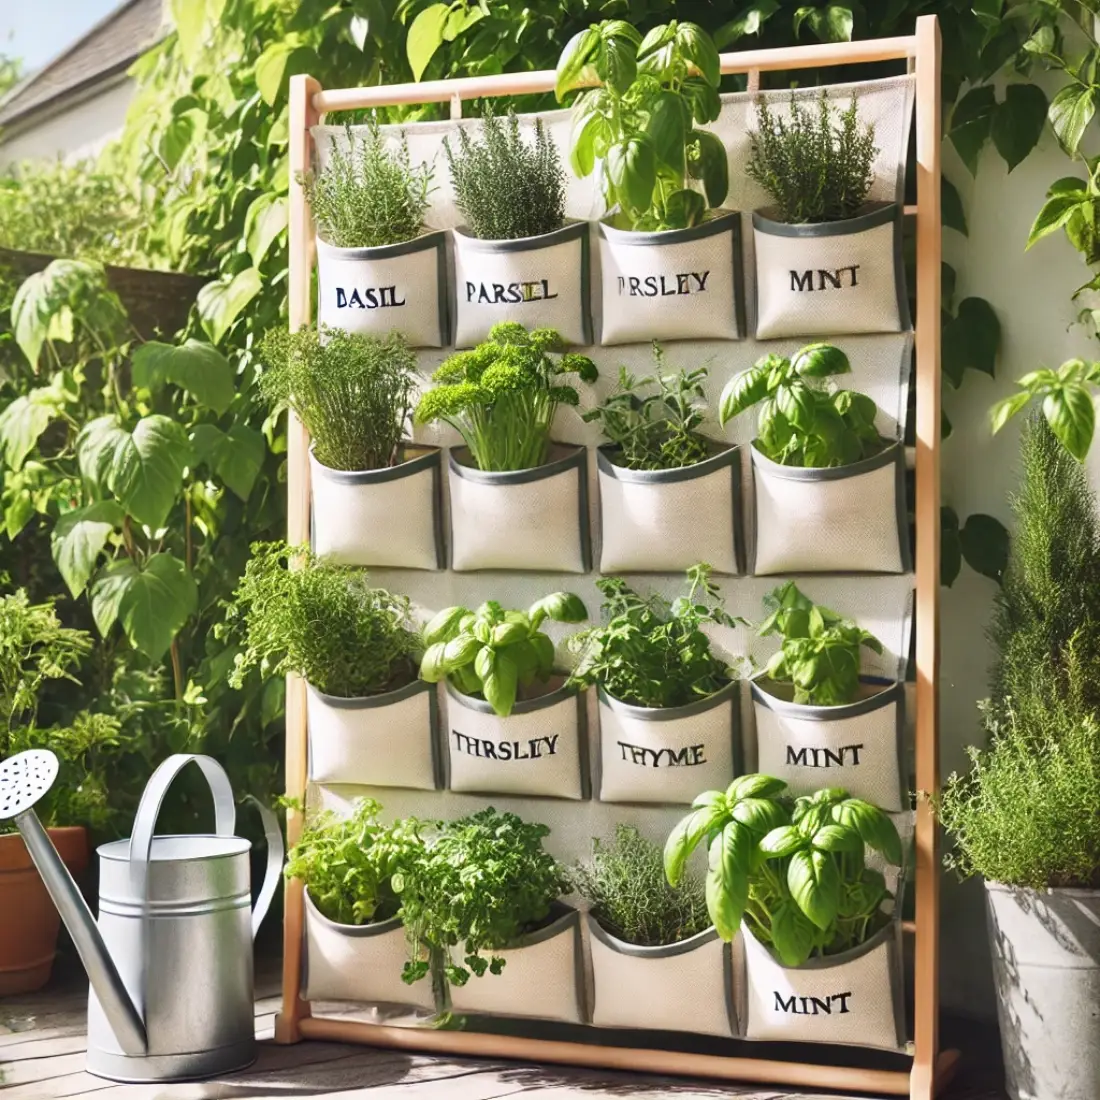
x=274, y=838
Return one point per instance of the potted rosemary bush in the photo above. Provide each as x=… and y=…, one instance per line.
x=657, y=961
x=667, y=701
x=820, y=933
x=516, y=256
x=827, y=261
x=377, y=269
x=354, y=395
x=816, y=717
x=829, y=489
x=1024, y=818
x=669, y=495
x=518, y=501
x=370, y=719
x=515, y=727
x=669, y=255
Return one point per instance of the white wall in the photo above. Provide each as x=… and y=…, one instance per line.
x=74, y=134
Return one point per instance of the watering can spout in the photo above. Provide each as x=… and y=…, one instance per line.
x=24, y=778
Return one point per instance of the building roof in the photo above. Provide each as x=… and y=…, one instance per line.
x=108, y=49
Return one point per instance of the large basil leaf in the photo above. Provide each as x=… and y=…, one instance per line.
x=78, y=538
x=814, y=883
x=687, y=834
x=727, y=883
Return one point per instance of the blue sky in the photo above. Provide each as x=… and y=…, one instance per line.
x=38, y=30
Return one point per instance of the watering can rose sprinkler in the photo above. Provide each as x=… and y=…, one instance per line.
x=170, y=959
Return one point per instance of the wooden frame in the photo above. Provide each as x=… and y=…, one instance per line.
x=931, y=1068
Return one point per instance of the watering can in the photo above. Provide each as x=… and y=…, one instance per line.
x=170, y=960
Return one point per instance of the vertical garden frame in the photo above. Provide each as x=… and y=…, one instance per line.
x=931, y=1067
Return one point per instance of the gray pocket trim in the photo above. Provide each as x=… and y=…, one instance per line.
x=895, y=693
x=728, y=693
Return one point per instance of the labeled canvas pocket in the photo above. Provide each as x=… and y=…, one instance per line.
x=541, y=282
x=830, y=278
x=384, y=740
x=685, y=986
x=542, y=977
x=856, y=746
x=852, y=998
x=667, y=754
x=539, y=749
x=358, y=962
x=534, y=520
x=837, y=519
x=664, y=521
x=678, y=284
x=393, y=288
x=387, y=517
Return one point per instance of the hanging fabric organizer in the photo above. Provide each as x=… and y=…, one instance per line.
x=570, y=991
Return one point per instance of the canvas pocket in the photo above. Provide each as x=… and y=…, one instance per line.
x=830, y=278
x=540, y=282
x=667, y=754
x=389, y=517
x=842, y=519
x=534, y=520
x=678, y=284
x=664, y=521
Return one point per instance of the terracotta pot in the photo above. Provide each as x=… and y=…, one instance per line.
x=28, y=920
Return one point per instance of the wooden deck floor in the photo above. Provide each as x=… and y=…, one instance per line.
x=42, y=1043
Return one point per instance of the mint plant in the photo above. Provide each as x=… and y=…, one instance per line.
x=819, y=656
x=495, y=653
x=800, y=421
x=640, y=123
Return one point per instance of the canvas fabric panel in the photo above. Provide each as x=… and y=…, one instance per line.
x=390, y=744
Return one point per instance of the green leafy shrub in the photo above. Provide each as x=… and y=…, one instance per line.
x=795, y=872
x=625, y=883
x=367, y=194
x=322, y=621
x=652, y=652
x=800, y=421
x=482, y=881
x=502, y=395
x=348, y=864
x=505, y=187
x=813, y=169
x=353, y=392
x=496, y=653
x=819, y=656
x=653, y=422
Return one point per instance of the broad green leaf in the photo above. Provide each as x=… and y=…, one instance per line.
x=1070, y=112
x=44, y=303
x=741, y=392
x=1055, y=212
x=684, y=208
x=560, y=607
x=175, y=139
x=820, y=361
x=697, y=48
x=950, y=549
x=236, y=456
x=951, y=209
x=265, y=220
x=984, y=543
x=1072, y=418
x=793, y=936
x=23, y=422
x=707, y=162
x=194, y=366
x=189, y=19
x=431, y=664
x=782, y=842
x=460, y=650
x=78, y=538
x=96, y=445
x=971, y=340
x=729, y=861
x=618, y=57
x=500, y=687
x=796, y=402
x=836, y=838
x=755, y=785
x=1007, y=408
x=271, y=65
x=667, y=129
x=685, y=837
x=972, y=124
x=582, y=147
x=874, y=826
x=147, y=469
x=814, y=883
x=758, y=815
x=631, y=166
x=443, y=626
x=750, y=21
x=461, y=20
x=219, y=303
x=1019, y=121
x=425, y=37
x=107, y=592
x=156, y=604
x=576, y=68
x=702, y=99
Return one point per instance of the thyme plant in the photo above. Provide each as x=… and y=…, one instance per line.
x=502, y=395
x=814, y=169
x=322, y=621
x=353, y=392
x=625, y=883
x=653, y=422
x=505, y=187
x=368, y=194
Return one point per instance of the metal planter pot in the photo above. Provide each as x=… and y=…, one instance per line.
x=1046, y=966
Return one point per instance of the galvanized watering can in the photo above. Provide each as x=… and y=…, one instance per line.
x=170, y=961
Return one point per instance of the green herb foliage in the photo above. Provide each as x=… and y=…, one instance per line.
x=651, y=652
x=323, y=622
x=496, y=653
x=625, y=884
x=353, y=392
x=368, y=194
x=801, y=421
x=505, y=187
x=795, y=872
x=639, y=125
x=348, y=864
x=653, y=422
x=502, y=395
x=814, y=169
x=481, y=883
x=819, y=656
